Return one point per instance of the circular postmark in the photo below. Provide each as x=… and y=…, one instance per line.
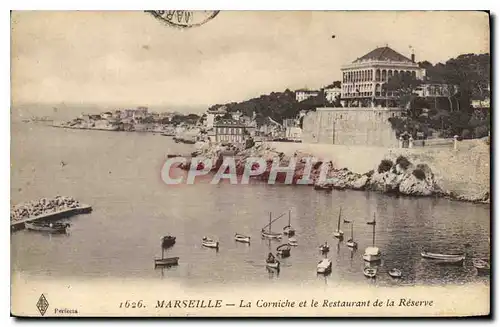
x=184, y=18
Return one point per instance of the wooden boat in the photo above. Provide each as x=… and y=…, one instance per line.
x=241, y=238
x=271, y=262
x=323, y=187
x=370, y=272
x=269, y=233
x=172, y=261
x=288, y=230
x=482, y=266
x=324, y=266
x=324, y=248
x=292, y=241
x=47, y=227
x=209, y=243
x=394, y=272
x=283, y=250
x=350, y=242
x=372, y=253
x=446, y=258
x=338, y=233
x=166, y=262
x=167, y=241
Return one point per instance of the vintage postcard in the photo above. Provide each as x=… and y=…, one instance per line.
x=173, y=163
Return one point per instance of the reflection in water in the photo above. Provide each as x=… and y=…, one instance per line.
x=133, y=209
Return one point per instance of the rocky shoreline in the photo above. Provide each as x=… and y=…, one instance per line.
x=41, y=207
x=395, y=177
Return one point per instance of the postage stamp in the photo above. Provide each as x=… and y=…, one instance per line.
x=267, y=164
x=184, y=18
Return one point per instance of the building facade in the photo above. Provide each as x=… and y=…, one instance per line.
x=231, y=131
x=213, y=114
x=301, y=95
x=363, y=80
x=332, y=93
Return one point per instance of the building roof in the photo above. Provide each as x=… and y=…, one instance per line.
x=383, y=54
x=229, y=123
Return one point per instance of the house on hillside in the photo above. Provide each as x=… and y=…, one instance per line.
x=304, y=94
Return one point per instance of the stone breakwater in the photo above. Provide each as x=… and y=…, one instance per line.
x=41, y=207
x=393, y=174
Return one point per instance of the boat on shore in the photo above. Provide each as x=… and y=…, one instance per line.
x=395, y=273
x=288, y=229
x=443, y=258
x=47, y=227
x=372, y=253
x=272, y=262
x=370, y=272
x=241, y=238
x=283, y=250
x=167, y=241
x=209, y=243
x=324, y=266
x=338, y=233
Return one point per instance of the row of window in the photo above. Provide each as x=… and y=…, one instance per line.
x=367, y=75
x=230, y=130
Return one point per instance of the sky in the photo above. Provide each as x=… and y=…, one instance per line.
x=129, y=58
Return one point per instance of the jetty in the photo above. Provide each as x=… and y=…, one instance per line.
x=16, y=225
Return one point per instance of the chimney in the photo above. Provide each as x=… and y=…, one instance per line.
x=412, y=57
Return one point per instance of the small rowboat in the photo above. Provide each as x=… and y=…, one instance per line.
x=167, y=241
x=271, y=262
x=241, y=238
x=444, y=258
x=323, y=187
x=394, y=272
x=209, y=243
x=370, y=272
x=271, y=235
x=481, y=265
x=292, y=241
x=324, y=266
x=47, y=227
x=173, y=261
x=283, y=250
x=324, y=248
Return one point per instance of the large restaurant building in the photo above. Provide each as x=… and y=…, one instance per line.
x=364, y=78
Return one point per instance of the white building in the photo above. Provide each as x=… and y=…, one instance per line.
x=303, y=94
x=212, y=114
x=431, y=90
x=364, y=78
x=332, y=93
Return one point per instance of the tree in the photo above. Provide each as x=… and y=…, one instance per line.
x=404, y=86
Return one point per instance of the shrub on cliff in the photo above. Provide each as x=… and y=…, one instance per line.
x=403, y=162
x=384, y=166
x=419, y=174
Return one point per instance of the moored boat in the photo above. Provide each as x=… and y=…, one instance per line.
x=241, y=238
x=323, y=187
x=482, y=266
x=324, y=266
x=372, y=253
x=47, y=227
x=292, y=241
x=283, y=250
x=324, y=248
x=269, y=233
x=209, y=243
x=338, y=233
x=394, y=272
x=167, y=241
x=288, y=229
x=370, y=272
x=172, y=261
x=448, y=258
x=351, y=242
x=271, y=262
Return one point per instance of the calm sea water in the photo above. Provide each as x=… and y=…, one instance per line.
x=119, y=175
